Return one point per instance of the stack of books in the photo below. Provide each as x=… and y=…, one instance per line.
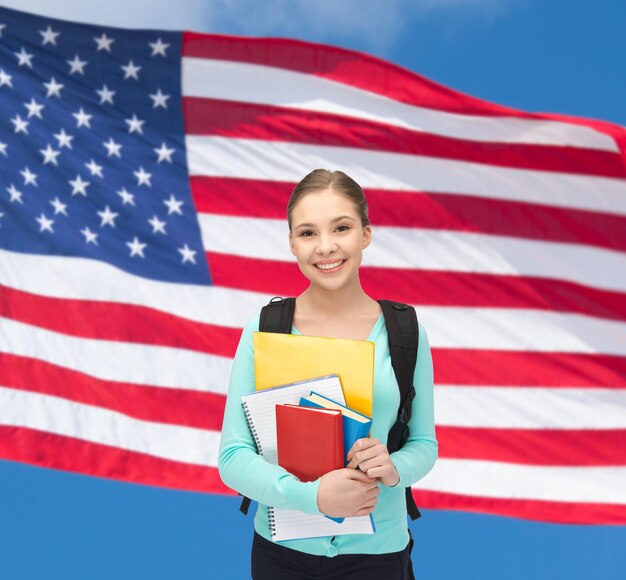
x=306, y=414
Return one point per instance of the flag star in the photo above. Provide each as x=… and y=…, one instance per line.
x=126, y=196
x=45, y=223
x=3, y=148
x=112, y=147
x=143, y=177
x=5, y=79
x=82, y=118
x=77, y=65
x=49, y=36
x=158, y=47
x=29, y=177
x=2, y=27
x=157, y=225
x=104, y=42
x=59, y=206
x=173, y=205
x=131, y=70
x=160, y=99
x=188, y=254
x=34, y=109
x=106, y=95
x=15, y=194
x=79, y=186
x=135, y=124
x=1, y=215
x=54, y=88
x=21, y=125
x=108, y=217
x=24, y=58
x=164, y=153
x=90, y=237
x=94, y=168
x=136, y=247
x=49, y=155
x=64, y=139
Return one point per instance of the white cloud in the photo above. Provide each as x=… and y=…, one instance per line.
x=160, y=14
x=368, y=24
x=373, y=23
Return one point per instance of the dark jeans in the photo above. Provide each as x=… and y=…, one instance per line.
x=271, y=561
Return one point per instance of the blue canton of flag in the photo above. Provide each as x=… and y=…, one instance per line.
x=92, y=148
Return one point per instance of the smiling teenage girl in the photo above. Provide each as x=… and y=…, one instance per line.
x=328, y=231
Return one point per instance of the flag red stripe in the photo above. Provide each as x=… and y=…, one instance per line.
x=186, y=407
x=274, y=123
x=69, y=454
x=424, y=287
x=534, y=446
x=440, y=211
x=545, y=511
x=454, y=366
x=117, y=322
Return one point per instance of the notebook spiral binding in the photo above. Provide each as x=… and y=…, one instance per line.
x=244, y=404
x=272, y=521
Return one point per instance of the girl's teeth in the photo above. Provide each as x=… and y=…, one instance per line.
x=329, y=266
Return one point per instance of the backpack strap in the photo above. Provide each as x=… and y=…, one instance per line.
x=277, y=316
x=403, y=333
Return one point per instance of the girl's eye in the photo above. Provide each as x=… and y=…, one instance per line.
x=343, y=226
x=305, y=232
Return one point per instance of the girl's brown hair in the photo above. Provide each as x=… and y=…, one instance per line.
x=337, y=181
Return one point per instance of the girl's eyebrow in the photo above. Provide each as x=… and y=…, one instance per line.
x=342, y=217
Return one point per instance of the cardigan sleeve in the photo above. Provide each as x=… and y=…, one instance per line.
x=240, y=466
x=418, y=455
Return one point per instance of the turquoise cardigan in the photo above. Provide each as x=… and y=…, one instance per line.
x=243, y=470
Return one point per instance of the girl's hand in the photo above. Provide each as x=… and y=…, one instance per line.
x=372, y=457
x=346, y=493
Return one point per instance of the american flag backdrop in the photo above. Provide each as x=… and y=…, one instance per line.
x=143, y=189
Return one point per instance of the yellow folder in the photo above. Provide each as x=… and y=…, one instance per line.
x=280, y=359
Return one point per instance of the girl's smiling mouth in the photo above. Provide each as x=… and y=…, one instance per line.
x=330, y=266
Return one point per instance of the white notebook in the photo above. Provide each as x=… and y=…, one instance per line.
x=260, y=410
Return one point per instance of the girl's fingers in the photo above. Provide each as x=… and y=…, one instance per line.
x=358, y=447
x=365, y=454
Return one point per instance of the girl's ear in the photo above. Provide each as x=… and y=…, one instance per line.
x=367, y=236
x=291, y=243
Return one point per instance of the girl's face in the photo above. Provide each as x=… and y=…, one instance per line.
x=327, y=233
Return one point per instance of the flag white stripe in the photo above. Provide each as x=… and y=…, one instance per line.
x=533, y=482
x=157, y=366
x=279, y=161
x=530, y=407
x=228, y=80
x=521, y=330
x=97, y=425
x=73, y=278
x=415, y=248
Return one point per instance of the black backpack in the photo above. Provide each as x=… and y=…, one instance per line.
x=402, y=328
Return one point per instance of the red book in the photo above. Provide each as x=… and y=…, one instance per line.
x=309, y=440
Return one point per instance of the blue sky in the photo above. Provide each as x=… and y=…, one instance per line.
x=558, y=56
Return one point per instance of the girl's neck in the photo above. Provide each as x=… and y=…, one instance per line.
x=332, y=304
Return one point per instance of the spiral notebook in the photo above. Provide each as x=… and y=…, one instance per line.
x=259, y=408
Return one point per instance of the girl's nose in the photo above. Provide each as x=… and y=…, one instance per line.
x=326, y=245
